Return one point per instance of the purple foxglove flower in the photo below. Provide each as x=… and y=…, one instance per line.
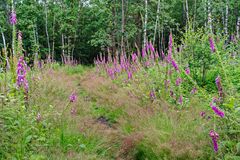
x=212, y=47
x=143, y=53
x=73, y=111
x=21, y=74
x=156, y=55
x=152, y=56
x=19, y=35
x=163, y=55
x=13, y=18
x=180, y=100
x=170, y=48
x=175, y=65
x=202, y=114
x=134, y=57
x=152, y=95
x=219, y=86
x=151, y=47
x=194, y=90
x=147, y=64
x=178, y=81
x=187, y=71
x=217, y=111
x=167, y=83
x=129, y=75
x=171, y=93
x=214, y=135
x=38, y=117
x=73, y=97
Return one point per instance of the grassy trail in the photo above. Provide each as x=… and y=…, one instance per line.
x=113, y=121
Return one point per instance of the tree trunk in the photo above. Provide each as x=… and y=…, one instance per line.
x=113, y=33
x=63, y=50
x=237, y=27
x=145, y=24
x=76, y=31
x=13, y=34
x=123, y=24
x=209, y=17
x=53, y=38
x=195, y=12
x=226, y=19
x=46, y=30
x=187, y=14
x=4, y=40
x=156, y=23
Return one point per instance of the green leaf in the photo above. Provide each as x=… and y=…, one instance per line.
x=28, y=139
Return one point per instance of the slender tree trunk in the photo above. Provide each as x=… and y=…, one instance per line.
x=13, y=33
x=156, y=23
x=46, y=30
x=145, y=24
x=205, y=13
x=63, y=50
x=226, y=19
x=187, y=14
x=76, y=31
x=223, y=19
x=69, y=48
x=195, y=12
x=53, y=39
x=4, y=40
x=123, y=24
x=237, y=27
x=209, y=17
x=113, y=33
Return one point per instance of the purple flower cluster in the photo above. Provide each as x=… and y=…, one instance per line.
x=21, y=74
x=216, y=109
x=219, y=86
x=73, y=97
x=13, y=18
x=180, y=100
x=73, y=111
x=187, y=71
x=129, y=75
x=194, y=90
x=178, y=81
x=202, y=114
x=152, y=95
x=212, y=46
x=175, y=65
x=170, y=45
x=214, y=135
x=38, y=117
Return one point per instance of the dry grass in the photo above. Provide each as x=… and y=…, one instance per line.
x=154, y=125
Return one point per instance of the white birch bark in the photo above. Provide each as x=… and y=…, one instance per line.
x=156, y=23
x=237, y=27
x=226, y=20
x=4, y=40
x=187, y=13
x=209, y=16
x=46, y=29
x=145, y=24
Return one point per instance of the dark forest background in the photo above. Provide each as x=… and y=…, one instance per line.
x=82, y=29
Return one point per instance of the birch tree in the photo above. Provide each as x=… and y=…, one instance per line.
x=209, y=16
x=226, y=19
x=157, y=22
x=145, y=24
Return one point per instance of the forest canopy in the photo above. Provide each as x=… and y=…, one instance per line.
x=82, y=29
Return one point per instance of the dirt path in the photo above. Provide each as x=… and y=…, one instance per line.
x=112, y=115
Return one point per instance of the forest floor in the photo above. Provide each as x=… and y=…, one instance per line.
x=112, y=121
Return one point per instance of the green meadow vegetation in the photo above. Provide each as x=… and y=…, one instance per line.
x=79, y=82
